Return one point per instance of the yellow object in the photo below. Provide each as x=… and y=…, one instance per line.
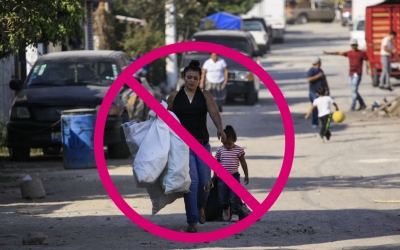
x=338, y=116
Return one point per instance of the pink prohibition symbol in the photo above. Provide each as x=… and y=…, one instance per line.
x=258, y=209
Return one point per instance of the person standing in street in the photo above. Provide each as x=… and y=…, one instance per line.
x=387, y=51
x=215, y=78
x=323, y=104
x=191, y=105
x=316, y=78
x=356, y=58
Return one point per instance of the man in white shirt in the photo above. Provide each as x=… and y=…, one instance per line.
x=215, y=78
x=387, y=51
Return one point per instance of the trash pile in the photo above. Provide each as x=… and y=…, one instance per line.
x=386, y=108
x=161, y=160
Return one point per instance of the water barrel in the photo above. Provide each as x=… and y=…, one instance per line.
x=77, y=128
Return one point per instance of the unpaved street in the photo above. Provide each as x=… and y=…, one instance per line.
x=328, y=202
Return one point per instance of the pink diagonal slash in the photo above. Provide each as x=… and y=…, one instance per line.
x=195, y=145
x=126, y=76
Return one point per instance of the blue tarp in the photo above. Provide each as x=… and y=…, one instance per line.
x=225, y=20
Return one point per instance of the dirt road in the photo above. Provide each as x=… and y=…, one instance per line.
x=328, y=202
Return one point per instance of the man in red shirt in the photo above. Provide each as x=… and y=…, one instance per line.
x=356, y=58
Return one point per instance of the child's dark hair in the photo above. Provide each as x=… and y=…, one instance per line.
x=321, y=90
x=230, y=133
x=194, y=65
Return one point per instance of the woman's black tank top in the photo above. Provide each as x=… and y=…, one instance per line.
x=193, y=116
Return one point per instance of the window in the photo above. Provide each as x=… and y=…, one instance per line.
x=122, y=62
x=251, y=26
x=61, y=73
x=325, y=5
x=361, y=25
x=238, y=43
x=347, y=5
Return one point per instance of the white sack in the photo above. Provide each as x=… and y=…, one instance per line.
x=152, y=155
x=177, y=177
x=135, y=134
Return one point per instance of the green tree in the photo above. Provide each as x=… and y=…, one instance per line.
x=38, y=21
x=103, y=26
x=137, y=40
x=235, y=7
x=140, y=40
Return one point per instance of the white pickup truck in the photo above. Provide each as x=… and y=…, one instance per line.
x=273, y=11
x=357, y=31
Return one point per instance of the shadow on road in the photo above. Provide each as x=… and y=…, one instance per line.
x=277, y=228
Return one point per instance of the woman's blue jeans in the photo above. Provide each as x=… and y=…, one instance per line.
x=313, y=96
x=196, y=198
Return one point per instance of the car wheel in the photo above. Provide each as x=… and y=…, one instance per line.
x=302, y=19
x=51, y=151
x=375, y=79
x=119, y=150
x=19, y=153
x=251, y=96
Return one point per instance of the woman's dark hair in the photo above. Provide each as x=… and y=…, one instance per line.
x=230, y=133
x=194, y=65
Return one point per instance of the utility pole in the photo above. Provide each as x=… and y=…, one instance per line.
x=170, y=38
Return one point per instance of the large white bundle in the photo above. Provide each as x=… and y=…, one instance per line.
x=177, y=177
x=152, y=156
x=161, y=162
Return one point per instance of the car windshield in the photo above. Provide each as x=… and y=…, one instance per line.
x=361, y=25
x=237, y=43
x=347, y=5
x=62, y=73
x=251, y=26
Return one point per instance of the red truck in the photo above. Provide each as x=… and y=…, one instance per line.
x=380, y=20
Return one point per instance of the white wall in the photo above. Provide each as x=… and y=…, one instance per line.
x=256, y=11
x=273, y=11
x=359, y=7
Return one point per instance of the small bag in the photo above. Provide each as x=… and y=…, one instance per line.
x=213, y=210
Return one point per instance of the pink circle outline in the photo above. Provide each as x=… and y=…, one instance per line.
x=126, y=77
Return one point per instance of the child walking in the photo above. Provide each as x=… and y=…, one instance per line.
x=229, y=155
x=323, y=103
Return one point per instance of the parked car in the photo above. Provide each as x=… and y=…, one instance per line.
x=301, y=12
x=263, y=36
x=241, y=81
x=70, y=80
x=345, y=13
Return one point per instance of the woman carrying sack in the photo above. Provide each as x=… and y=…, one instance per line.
x=191, y=104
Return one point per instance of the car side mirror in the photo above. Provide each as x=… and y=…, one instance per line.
x=15, y=84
